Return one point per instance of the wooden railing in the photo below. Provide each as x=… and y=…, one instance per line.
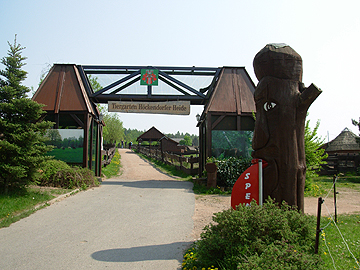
x=189, y=165
x=340, y=163
x=107, y=156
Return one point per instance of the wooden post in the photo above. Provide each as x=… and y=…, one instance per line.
x=86, y=141
x=318, y=230
x=334, y=183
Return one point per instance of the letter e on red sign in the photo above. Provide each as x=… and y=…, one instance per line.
x=246, y=188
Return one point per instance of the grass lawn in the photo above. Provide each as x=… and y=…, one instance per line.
x=68, y=154
x=113, y=169
x=332, y=247
x=17, y=205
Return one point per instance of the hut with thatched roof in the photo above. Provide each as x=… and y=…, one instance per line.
x=346, y=142
x=343, y=153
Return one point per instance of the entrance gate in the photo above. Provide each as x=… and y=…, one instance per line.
x=132, y=75
x=67, y=93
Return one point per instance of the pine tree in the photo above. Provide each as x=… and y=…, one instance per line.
x=22, y=146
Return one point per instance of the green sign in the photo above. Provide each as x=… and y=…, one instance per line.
x=149, y=77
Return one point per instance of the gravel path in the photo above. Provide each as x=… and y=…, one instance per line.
x=140, y=220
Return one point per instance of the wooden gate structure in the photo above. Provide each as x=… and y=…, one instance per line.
x=70, y=101
x=68, y=105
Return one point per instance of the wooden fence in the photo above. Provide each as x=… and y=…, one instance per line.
x=189, y=165
x=107, y=155
x=340, y=163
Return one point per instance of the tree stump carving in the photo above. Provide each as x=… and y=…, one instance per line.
x=281, y=102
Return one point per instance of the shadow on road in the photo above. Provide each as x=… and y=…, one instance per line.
x=171, y=184
x=144, y=253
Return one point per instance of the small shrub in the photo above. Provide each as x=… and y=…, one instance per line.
x=280, y=255
x=57, y=173
x=47, y=171
x=230, y=169
x=255, y=237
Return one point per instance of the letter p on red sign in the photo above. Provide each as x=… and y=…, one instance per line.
x=246, y=187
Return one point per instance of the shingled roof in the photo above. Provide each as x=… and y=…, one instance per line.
x=346, y=141
x=153, y=134
x=234, y=93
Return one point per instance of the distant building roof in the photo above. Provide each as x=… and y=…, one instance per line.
x=153, y=134
x=177, y=139
x=346, y=141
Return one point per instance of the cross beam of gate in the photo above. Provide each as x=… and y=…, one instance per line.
x=132, y=74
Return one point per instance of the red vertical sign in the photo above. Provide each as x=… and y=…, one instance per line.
x=246, y=187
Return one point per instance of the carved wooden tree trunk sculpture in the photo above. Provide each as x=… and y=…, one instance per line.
x=281, y=107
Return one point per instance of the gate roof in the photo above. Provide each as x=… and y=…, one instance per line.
x=63, y=90
x=234, y=93
x=171, y=77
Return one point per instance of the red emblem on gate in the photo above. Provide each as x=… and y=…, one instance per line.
x=246, y=188
x=149, y=77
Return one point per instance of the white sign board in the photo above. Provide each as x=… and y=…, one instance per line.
x=169, y=107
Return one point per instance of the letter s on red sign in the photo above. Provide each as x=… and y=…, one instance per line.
x=246, y=187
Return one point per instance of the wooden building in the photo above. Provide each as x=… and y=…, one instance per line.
x=166, y=144
x=230, y=107
x=67, y=104
x=343, y=153
x=346, y=142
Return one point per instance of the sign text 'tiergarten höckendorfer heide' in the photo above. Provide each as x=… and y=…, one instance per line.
x=169, y=107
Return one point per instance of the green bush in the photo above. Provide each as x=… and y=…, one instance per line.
x=230, y=169
x=255, y=237
x=56, y=173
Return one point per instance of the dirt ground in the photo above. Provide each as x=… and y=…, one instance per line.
x=348, y=201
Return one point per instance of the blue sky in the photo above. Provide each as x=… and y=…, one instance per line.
x=195, y=33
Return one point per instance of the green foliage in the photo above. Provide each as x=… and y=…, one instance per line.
x=113, y=131
x=356, y=123
x=230, y=169
x=96, y=86
x=69, y=155
x=204, y=190
x=314, y=155
x=56, y=173
x=53, y=137
x=257, y=237
x=130, y=135
x=166, y=168
x=22, y=146
x=186, y=141
x=231, y=143
x=113, y=168
x=194, y=138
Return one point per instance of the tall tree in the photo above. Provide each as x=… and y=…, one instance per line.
x=22, y=137
x=186, y=141
x=356, y=123
x=113, y=131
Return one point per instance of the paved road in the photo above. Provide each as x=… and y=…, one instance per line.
x=140, y=220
